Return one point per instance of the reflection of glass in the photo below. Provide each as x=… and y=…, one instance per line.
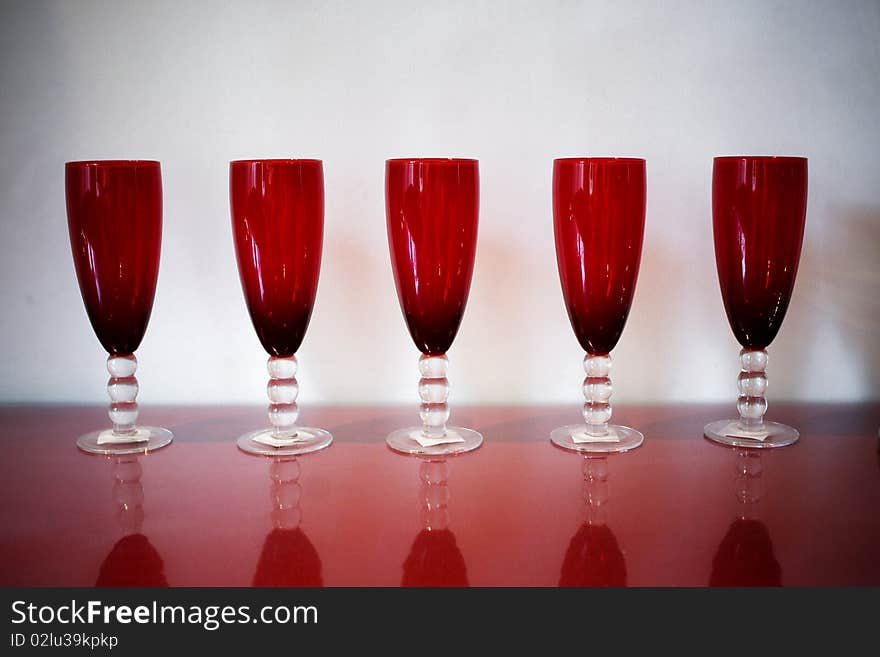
x=277, y=209
x=114, y=217
x=759, y=207
x=133, y=561
x=599, y=223
x=593, y=557
x=434, y=559
x=745, y=556
x=288, y=557
x=432, y=207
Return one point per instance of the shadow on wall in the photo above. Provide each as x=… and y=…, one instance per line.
x=855, y=292
x=670, y=289
x=41, y=290
x=837, y=303
x=498, y=310
x=357, y=291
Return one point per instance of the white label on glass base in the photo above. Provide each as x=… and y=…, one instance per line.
x=733, y=430
x=266, y=438
x=424, y=441
x=610, y=437
x=109, y=437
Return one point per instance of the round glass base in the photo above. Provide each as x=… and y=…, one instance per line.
x=314, y=440
x=780, y=435
x=402, y=441
x=627, y=439
x=158, y=438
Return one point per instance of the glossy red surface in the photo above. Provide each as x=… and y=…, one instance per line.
x=599, y=223
x=759, y=205
x=517, y=511
x=277, y=209
x=114, y=216
x=432, y=207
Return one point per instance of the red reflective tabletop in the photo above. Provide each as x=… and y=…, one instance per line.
x=678, y=511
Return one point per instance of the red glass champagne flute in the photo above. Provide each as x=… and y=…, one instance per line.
x=432, y=208
x=277, y=209
x=759, y=207
x=114, y=217
x=599, y=225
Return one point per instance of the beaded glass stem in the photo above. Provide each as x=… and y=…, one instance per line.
x=285, y=438
x=282, y=390
x=751, y=429
x=597, y=394
x=752, y=384
x=122, y=388
x=434, y=393
x=433, y=437
x=596, y=435
x=126, y=437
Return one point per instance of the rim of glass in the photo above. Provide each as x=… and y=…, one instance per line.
x=111, y=163
x=777, y=158
x=601, y=159
x=278, y=160
x=432, y=160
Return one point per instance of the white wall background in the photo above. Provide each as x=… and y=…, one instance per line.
x=512, y=83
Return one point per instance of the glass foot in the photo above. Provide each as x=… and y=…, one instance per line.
x=627, y=439
x=158, y=438
x=315, y=439
x=401, y=441
x=780, y=435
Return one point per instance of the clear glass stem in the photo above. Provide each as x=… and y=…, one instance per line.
x=283, y=390
x=122, y=389
x=597, y=393
x=434, y=493
x=286, y=493
x=752, y=384
x=434, y=393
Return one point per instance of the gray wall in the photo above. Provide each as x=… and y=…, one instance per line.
x=512, y=83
